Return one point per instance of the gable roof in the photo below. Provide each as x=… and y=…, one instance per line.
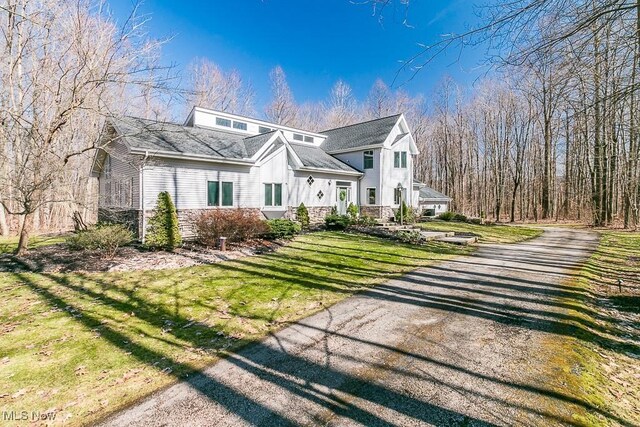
x=430, y=193
x=315, y=157
x=148, y=135
x=373, y=132
x=253, y=144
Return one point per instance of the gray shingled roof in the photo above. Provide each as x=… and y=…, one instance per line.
x=315, y=157
x=373, y=132
x=253, y=144
x=430, y=193
x=150, y=135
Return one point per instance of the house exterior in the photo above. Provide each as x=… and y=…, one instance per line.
x=217, y=160
x=429, y=201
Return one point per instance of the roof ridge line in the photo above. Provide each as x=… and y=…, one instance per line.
x=361, y=123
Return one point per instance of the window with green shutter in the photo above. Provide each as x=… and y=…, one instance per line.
x=403, y=159
x=213, y=193
x=396, y=159
x=227, y=194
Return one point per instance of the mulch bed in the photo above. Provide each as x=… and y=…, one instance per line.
x=59, y=258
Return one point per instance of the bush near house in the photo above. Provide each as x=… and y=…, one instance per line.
x=452, y=216
x=282, y=229
x=163, y=231
x=407, y=214
x=352, y=210
x=236, y=225
x=366, y=221
x=106, y=238
x=337, y=222
x=302, y=213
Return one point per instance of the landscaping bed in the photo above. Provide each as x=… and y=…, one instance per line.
x=60, y=258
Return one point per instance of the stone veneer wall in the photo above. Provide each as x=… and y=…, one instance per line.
x=316, y=213
x=381, y=212
x=187, y=218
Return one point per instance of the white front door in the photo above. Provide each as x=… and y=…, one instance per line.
x=344, y=197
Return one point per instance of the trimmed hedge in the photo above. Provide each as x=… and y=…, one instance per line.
x=337, y=222
x=302, y=213
x=282, y=229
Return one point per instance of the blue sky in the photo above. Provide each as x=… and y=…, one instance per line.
x=316, y=42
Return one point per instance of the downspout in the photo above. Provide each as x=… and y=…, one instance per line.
x=142, y=204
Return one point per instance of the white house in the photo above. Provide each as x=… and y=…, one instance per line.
x=221, y=160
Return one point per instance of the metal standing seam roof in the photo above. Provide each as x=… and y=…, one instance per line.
x=373, y=132
x=430, y=193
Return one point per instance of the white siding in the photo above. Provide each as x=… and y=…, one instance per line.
x=301, y=192
x=392, y=176
x=124, y=171
x=371, y=177
x=274, y=169
x=186, y=182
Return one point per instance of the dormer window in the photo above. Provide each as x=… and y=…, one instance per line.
x=298, y=137
x=264, y=129
x=239, y=125
x=308, y=139
x=223, y=122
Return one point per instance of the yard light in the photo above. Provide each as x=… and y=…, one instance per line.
x=400, y=188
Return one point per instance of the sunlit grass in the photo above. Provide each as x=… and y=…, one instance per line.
x=88, y=344
x=10, y=244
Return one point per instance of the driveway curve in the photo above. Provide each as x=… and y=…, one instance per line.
x=458, y=343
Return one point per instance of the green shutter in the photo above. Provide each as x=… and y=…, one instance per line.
x=227, y=194
x=268, y=195
x=278, y=194
x=213, y=193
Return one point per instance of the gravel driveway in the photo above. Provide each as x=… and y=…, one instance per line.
x=459, y=343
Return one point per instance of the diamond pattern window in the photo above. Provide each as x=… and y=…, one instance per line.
x=320, y=195
x=310, y=180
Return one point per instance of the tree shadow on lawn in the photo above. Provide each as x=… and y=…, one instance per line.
x=234, y=400
x=262, y=361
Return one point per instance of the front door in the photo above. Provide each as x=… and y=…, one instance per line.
x=344, y=197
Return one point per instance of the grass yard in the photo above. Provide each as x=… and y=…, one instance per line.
x=84, y=345
x=10, y=244
x=606, y=372
x=486, y=233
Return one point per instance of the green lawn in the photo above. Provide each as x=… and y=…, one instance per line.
x=88, y=344
x=9, y=244
x=486, y=233
x=606, y=359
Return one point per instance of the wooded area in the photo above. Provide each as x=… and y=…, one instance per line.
x=552, y=133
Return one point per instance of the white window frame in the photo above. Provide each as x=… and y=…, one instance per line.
x=219, y=205
x=273, y=195
x=401, y=157
x=365, y=155
x=375, y=196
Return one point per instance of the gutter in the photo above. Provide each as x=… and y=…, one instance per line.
x=332, y=171
x=173, y=155
x=143, y=232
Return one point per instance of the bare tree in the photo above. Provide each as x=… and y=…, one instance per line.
x=342, y=107
x=282, y=109
x=211, y=87
x=64, y=63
